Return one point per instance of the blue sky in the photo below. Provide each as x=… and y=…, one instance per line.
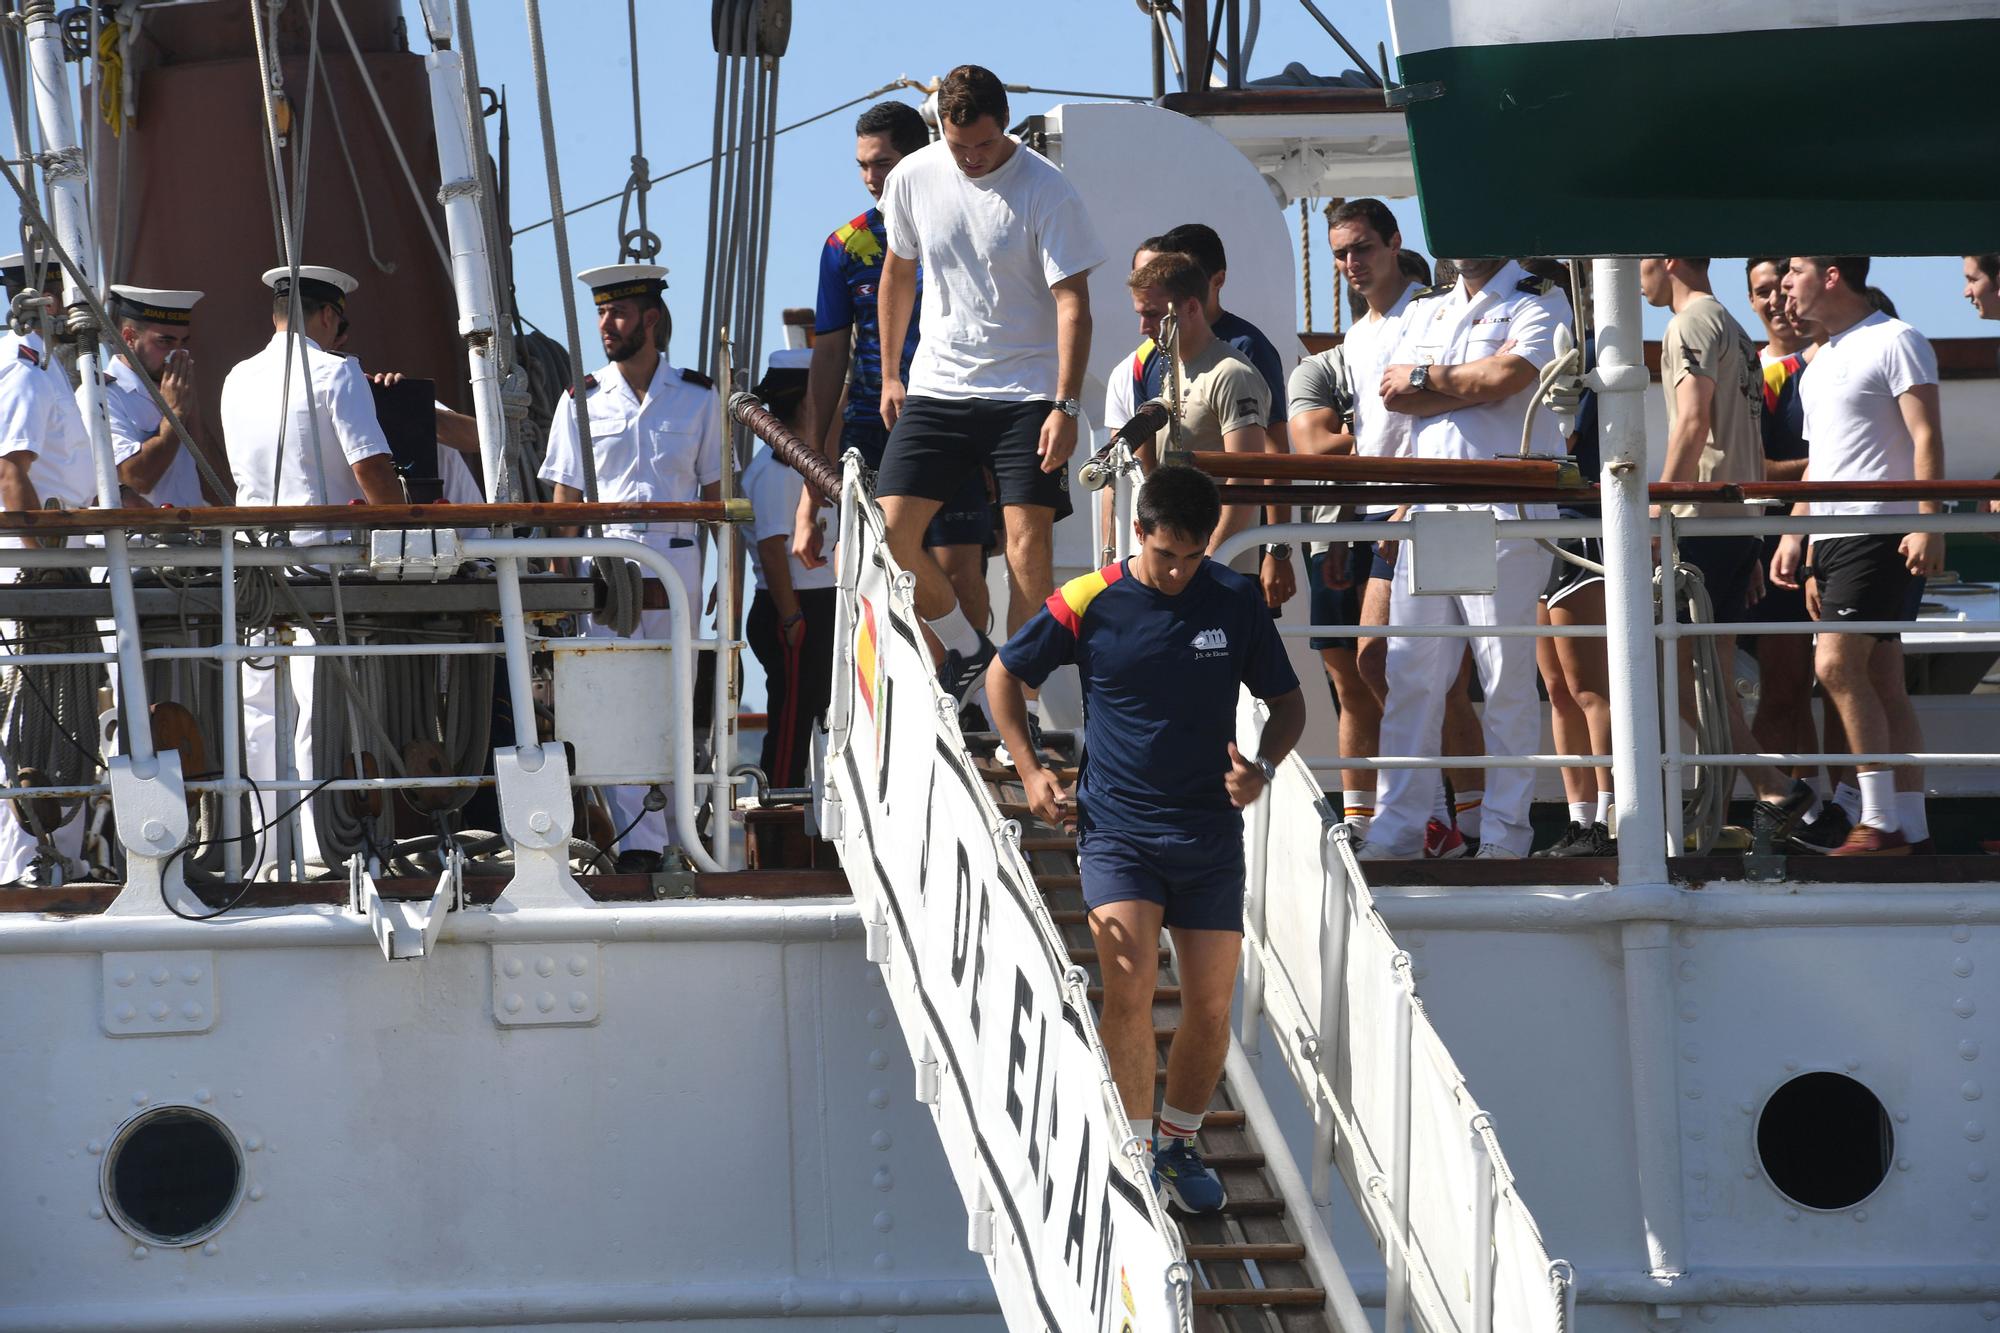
x=1096, y=45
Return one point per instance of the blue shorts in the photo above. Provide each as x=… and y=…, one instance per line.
x=1339, y=606
x=965, y=520
x=1196, y=877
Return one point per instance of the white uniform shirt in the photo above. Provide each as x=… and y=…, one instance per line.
x=1454, y=329
x=990, y=249
x=38, y=415
x=135, y=418
x=1378, y=432
x=253, y=434
x=773, y=490
x=1853, y=423
x=661, y=448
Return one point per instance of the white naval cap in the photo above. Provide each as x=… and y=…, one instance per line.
x=315, y=280
x=789, y=358
x=619, y=282
x=153, y=305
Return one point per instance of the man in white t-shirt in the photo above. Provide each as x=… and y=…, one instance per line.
x=1871, y=414
x=1006, y=249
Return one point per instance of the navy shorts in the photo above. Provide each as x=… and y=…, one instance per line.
x=1339, y=606
x=938, y=442
x=1726, y=564
x=965, y=520
x=1196, y=877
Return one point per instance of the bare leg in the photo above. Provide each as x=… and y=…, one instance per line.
x=1566, y=720
x=1360, y=716
x=1371, y=655
x=1030, y=561
x=961, y=564
x=1128, y=953
x=1586, y=669
x=1207, y=961
x=905, y=517
x=1784, y=720
x=1462, y=732
x=1885, y=667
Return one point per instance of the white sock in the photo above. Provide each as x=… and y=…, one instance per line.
x=1605, y=800
x=1440, y=805
x=1848, y=797
x=1466, y=813
x=1910, y=808
x=1580, y=812
x=1878, y=800
x=1358, y=809
x=1142, y=1128
x=1178, y=1124
x=955, y=632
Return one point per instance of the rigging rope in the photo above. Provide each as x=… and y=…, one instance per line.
x=639, y=244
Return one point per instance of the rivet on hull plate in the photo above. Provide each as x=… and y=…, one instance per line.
x=160, y=994
x=545, y=985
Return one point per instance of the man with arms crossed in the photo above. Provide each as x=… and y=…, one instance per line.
x=847, y=334
x=1871, y=414
x=1464, y=367
x=1714, y=392
x=1006, y=249
x=1163, y=641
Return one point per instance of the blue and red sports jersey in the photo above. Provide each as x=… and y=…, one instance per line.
x=850, y=271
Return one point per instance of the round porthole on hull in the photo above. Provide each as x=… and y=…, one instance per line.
x=173, y=1176
x=1825, y=1141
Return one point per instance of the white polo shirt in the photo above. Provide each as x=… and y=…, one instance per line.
x=773, y=490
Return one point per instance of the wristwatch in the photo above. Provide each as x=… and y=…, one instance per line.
x=1069, y=407
x=1420, y=377
x=1279, y=550
x=1267, y=768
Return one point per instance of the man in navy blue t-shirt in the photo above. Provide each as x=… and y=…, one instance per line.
x=1163, y=641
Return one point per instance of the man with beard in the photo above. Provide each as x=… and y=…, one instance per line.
x=155, y=463
x=655, y=436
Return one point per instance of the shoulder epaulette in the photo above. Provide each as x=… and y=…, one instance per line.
x=27, y=354
x=1535, y=286
x=697, y=378
x=1425, y=293
x=589, y=385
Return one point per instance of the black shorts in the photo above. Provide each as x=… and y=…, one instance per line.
x=1726, y=564
x=1864, y=578
x=1778, y=606
x=938, y=442
x=1339, y=606
x=1566, y=576
x=965, y=520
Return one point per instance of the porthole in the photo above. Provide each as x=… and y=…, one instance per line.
x=173, y=1176
x=1825, y=1141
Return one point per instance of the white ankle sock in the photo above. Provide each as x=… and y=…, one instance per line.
x=1357, y=807
x=1465, y=813
x=1142, y=1128
x=1581, y=812
x=1605, y=800
x=955, y=632
x=1848, y=797
x=1878, y=801
x=1916, y=818
x=1440, y=805
x=1178, y=1124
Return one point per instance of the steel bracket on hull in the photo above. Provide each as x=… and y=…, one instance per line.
x=537, y=816
x=152, y=820
x=403, y=928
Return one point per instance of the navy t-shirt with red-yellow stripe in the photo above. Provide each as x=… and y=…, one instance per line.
x=1160, y=681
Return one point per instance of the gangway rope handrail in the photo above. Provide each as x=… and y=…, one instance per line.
x=807, y=461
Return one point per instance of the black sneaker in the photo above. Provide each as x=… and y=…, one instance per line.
x=1561, y=846
x=961, y=672
x=1829, y=831
x=1589, y=840
x=1772, y=823
x=638, y=861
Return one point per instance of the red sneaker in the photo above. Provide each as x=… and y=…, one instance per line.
x=1867, y=840
x=1442, y=842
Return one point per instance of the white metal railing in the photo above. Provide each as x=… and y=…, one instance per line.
x=1667, y=630
x=1321, y=969
x=516, y=644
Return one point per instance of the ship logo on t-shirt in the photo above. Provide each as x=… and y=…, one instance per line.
x=1211, y=640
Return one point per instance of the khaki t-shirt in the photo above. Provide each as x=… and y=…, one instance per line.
x=1705, y=339
x=1221, y=393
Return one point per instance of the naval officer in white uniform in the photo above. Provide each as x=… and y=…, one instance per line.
x=1464, y=369
x=655, y=435
x=274, y=462
x=44, y=456
x=156, y=331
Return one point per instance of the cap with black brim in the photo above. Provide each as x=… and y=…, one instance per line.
x=624, y=282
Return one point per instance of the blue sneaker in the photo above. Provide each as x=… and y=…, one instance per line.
x=1185, y=1180
x=961, y=673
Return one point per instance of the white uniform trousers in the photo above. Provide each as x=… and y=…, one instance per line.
x=650, y=829
x=1421, y=672
x=260, y=752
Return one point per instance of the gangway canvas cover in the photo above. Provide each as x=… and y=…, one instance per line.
x=1730, y=127
x=997, y=1021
